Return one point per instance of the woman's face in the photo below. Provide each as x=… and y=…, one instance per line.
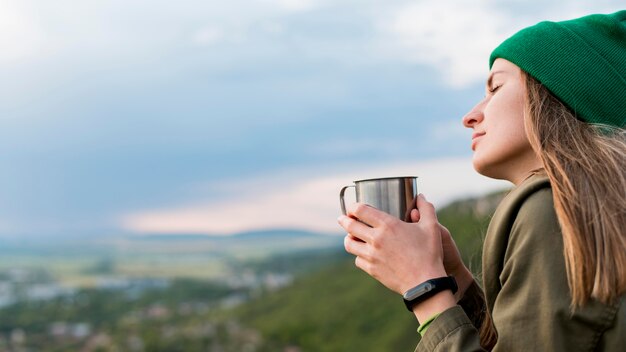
x=501, y=148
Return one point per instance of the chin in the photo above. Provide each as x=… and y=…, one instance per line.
x=486, y=169
x=478, y=164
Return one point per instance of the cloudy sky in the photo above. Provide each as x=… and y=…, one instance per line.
x=138, y=117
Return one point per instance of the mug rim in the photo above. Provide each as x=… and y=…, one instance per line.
x=385, y=178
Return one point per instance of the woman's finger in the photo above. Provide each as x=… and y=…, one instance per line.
x=363, y=264
x=355, y=228
x=426, y=209
x=354, y=246
x=415, y=215
x=367, y=214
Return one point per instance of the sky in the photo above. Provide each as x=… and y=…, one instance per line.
x=217, y=117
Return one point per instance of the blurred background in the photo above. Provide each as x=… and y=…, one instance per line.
x=169, y=171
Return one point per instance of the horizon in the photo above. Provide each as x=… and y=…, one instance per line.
x=257, y=231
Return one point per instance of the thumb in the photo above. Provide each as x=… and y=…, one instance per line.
x=415, y=215
x=426, y=209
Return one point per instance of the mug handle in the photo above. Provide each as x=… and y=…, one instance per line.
x=343, y=201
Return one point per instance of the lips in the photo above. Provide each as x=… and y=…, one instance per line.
x=475, y=138
x=477, y=134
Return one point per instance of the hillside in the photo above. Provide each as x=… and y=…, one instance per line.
x=336, y=309
x=340, y=308
x=467, y=221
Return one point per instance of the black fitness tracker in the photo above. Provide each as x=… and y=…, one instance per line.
x=428, y=289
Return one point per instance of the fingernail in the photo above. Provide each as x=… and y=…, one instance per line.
x=423, y=196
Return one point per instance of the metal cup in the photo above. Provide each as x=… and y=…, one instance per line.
x=393, y=195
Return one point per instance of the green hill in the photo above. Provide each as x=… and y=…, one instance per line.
x=340, y=308
x=467, y=221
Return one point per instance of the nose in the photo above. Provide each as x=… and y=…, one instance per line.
x=475, y=115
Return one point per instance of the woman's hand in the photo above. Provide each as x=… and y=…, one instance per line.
x=400, y=255
x=452, y=261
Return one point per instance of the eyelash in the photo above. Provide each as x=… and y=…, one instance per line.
x=494, y=89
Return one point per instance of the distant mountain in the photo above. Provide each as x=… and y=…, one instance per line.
x=250, y=245
x=255, y=234
x=277, y=233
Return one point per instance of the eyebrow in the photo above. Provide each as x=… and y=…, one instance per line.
x=490, y=79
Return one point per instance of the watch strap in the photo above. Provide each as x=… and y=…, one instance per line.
x=428, y=289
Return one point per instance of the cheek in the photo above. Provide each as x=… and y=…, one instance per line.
x=505, y=122
x=499, y=148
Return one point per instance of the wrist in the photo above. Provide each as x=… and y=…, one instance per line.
x=431, y=297
x=436, y=304
x=464, y=280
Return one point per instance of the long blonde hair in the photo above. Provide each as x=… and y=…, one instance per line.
x=586, y=165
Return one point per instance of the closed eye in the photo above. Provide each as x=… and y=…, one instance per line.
x=494, y=89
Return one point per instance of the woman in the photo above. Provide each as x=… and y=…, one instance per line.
x=554, y=258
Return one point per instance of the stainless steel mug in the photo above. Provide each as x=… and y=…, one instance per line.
x=393, y=195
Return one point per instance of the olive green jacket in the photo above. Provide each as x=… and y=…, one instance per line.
x=526, y=290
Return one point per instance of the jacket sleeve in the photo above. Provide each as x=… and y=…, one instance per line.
x=451, y=331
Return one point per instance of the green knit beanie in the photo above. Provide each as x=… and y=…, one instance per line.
x=581, y=61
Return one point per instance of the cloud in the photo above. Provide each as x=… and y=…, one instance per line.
x=448, y=130
x=455, y=36
x=21, y=36
x=7, y=230
x=209, y=90
x=208, y=35
x=308, y=203
x=294, y=5
x=297, y=5
x=356, y=146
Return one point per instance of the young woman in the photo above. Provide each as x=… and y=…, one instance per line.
x=554, y=258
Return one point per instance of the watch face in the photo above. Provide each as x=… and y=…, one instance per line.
x=418, y=291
